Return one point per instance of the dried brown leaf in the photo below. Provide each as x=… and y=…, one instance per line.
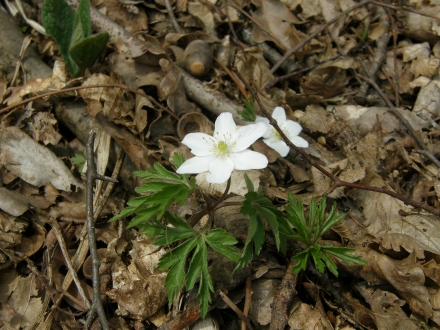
x=33, y=162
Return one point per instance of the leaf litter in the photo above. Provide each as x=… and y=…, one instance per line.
x=398, y=288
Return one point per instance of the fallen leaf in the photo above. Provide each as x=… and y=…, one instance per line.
x=32, y=162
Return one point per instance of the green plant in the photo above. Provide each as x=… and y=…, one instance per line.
x=219, y=155
x=72, y=33
x=309, y=231
x=80, y=160
x=248, y=113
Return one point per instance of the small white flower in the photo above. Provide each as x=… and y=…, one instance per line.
x=225, y=151
x=290, y=128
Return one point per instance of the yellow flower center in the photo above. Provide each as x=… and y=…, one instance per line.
x=221, y=149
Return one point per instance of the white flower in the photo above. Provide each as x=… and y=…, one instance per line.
x=225, y=151
x=273, y=139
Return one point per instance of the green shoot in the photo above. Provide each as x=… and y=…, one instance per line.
x=248, y=113
x=72, y=33
x=309, y=231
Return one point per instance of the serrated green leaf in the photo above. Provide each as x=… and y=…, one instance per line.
x=329, y=263
x=179, y=252
x=205, y=287
x=313, y=211
x=151, y=187
x=196, y=264
x=248, y=209
x=344, y=254
x=167, y=235
x=161, y=173
x=124, y=213
x=295, y=215
x=246, y=256
x=174, y=280
x=178, y=222
x=248, y=113
x=57, y=18
x=87, y=51
x=78, y=159
x=302, y=258
x=144, y=215
x=178, y=159
x=220, y=241
x=331, y=220
x=317, y=258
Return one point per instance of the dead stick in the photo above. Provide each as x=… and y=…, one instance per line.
x=283, y=299
x=173, y=19
x=63, y=247
x=247, y=301
x=237, y=310
x=92, y=175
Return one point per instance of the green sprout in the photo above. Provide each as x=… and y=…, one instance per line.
x=72, y=33
x=309, y=231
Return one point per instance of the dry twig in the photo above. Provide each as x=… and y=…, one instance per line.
x=92, y=175
x=173, y=19
x=237, y=310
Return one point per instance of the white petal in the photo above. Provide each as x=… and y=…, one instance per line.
x=270, y=133
x=220, y=170
x=246, y=135
x=280, y=146
x=299, y=142
x=224, y=126
x=262, y=120
x=279, y=115
x=195, y=165
x=249, y=160
x=199, y=143
x=292, y=128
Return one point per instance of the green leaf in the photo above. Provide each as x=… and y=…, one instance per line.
x=249, y=184
x=344, y=254
x=205, y=287
x=302, y=258
x=317, y=258
x=161, y=174
x=329, y=263
x=248, y=113
x=295, y=215
x=58, y=17
x=220, y=241
x=246, y=256
x=176, y=261
x=196, y=264
x=82, y=18
x=269, y=213
x=331, y=220
x=87, y=51
x=178, y=253
x=178, y=159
